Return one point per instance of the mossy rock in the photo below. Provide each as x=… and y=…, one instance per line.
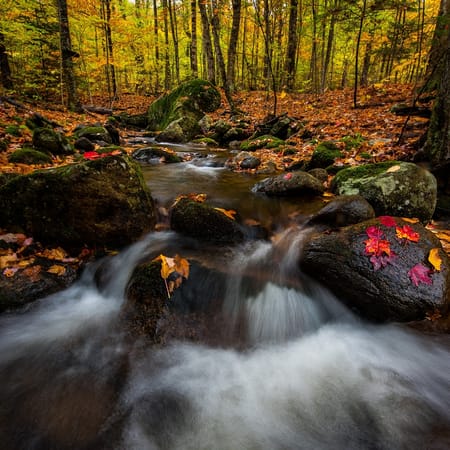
x=29, y=156
x=392, y=188
x=207, y=141
x=204, y=222
x=149, y=154
x=265, y=141
x=324, y=155
x=191, y=100
x=94, y=134
x=99, y=203
x=50, y=141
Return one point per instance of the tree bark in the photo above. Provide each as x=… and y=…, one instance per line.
x=232, y=45
x=207, y=44
x=193, y=44
x=291, y=52
x=5, y=70
x=437, y=147
x=68, y=75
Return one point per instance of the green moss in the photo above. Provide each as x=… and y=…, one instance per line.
x=13, y=130
x=353, y=141
x=206, y=140
x=265, y=141
x=4, y=143
x=289, y=151
x=362, y=171
x=91, y=131
x=196, y=96
x=29, y=156
x=324, y=155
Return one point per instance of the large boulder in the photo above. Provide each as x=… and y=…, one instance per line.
x=292, y=183
x=392, y=188
x=202, y=221
x=381, y=268
x=178, y=113
x=98, y=203
x=343, y=210
x=47, y=140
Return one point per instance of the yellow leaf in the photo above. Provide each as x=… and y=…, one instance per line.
x=182, y=266
x=55, y=253
x=10, y=271
x=8, y=260
x=411, y=219
x=57, y=270
x=283, y=94
x=230, y=213
x=435, y=259
x=393, y=169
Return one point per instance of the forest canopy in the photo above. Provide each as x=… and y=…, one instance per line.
x=147, y=47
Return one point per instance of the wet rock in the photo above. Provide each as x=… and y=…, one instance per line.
x=392, y=188
x=265, y=141
x=380, y=289
x=250, y=163
x=94, y=134
x=281, y=127
x=158, y=154
x=342, y=211
x=292, y=183
x=320, y=174
x=84, y=144
x=104, y=202
x=27, y=286
x=49, y=141
x=204, y=222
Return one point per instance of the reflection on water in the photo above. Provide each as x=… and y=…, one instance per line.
x=305, y=373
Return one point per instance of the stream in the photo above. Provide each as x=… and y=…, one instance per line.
x=287, y=366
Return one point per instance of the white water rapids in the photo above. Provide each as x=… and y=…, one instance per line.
x=311, y=377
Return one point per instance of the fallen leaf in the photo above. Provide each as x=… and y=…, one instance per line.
x=10, y=271
x=57, y=270
x=8, y=260
x=433, y=315
x=54, y=253
x=411, y=219
x=33, y=272
x=406, y=232
x=230, y=213
x=288, y=176
x=387, y=221
x=374, y=232
x=420, y=274
x=377, y=247
x=434, y=259
x=393, y=169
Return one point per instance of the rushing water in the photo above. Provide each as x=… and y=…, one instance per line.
x=290, y=368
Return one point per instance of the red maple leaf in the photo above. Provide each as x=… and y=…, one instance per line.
x=420, y=274
x=91, y=155
x=379, y=262
x=377, y=247
x=387, y=221
x=374, y=232
x=406, y=232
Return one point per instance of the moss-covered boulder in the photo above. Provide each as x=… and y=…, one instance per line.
x=183, y=107
x=266, y=141
x=47, y=140
x=289, y=184
x=94, y=134
x=99, y=203
x=392, y=188
x=391, y=282
x=29, y=156
x=324, y=155
x=202, y=221
x=156, y=154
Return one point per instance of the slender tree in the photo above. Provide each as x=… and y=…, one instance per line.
x=207, y=43
x=193, y=43
x=5, y=70
x=291, y=52
x=232, y=45
x=67, y=69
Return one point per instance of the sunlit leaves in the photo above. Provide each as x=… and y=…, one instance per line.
x=173, y=271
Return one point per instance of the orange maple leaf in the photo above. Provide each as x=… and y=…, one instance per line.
x=406, y=232
x=377, y=247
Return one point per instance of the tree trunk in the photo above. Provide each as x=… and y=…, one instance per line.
x=193, y=44
x=167, y=71
x=68, y=75
x=5, y=70
x=291, y=52
x=232, y=45
x=207, y=44
x=437, y=147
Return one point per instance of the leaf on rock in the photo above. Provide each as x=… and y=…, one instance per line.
x=288, y=176
x=387, y=221
x=377, y=247
x=434, y=259
x=230, y=213
x=57, y=270
x=176, y=268
x=8, y=260
x=420, y=274
x=374, y=232
x=393, y=169
x=406, y=232
x=379, y=262
x=10, y=271
x=54, y=253
x=33, y=272
x=411, y=219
